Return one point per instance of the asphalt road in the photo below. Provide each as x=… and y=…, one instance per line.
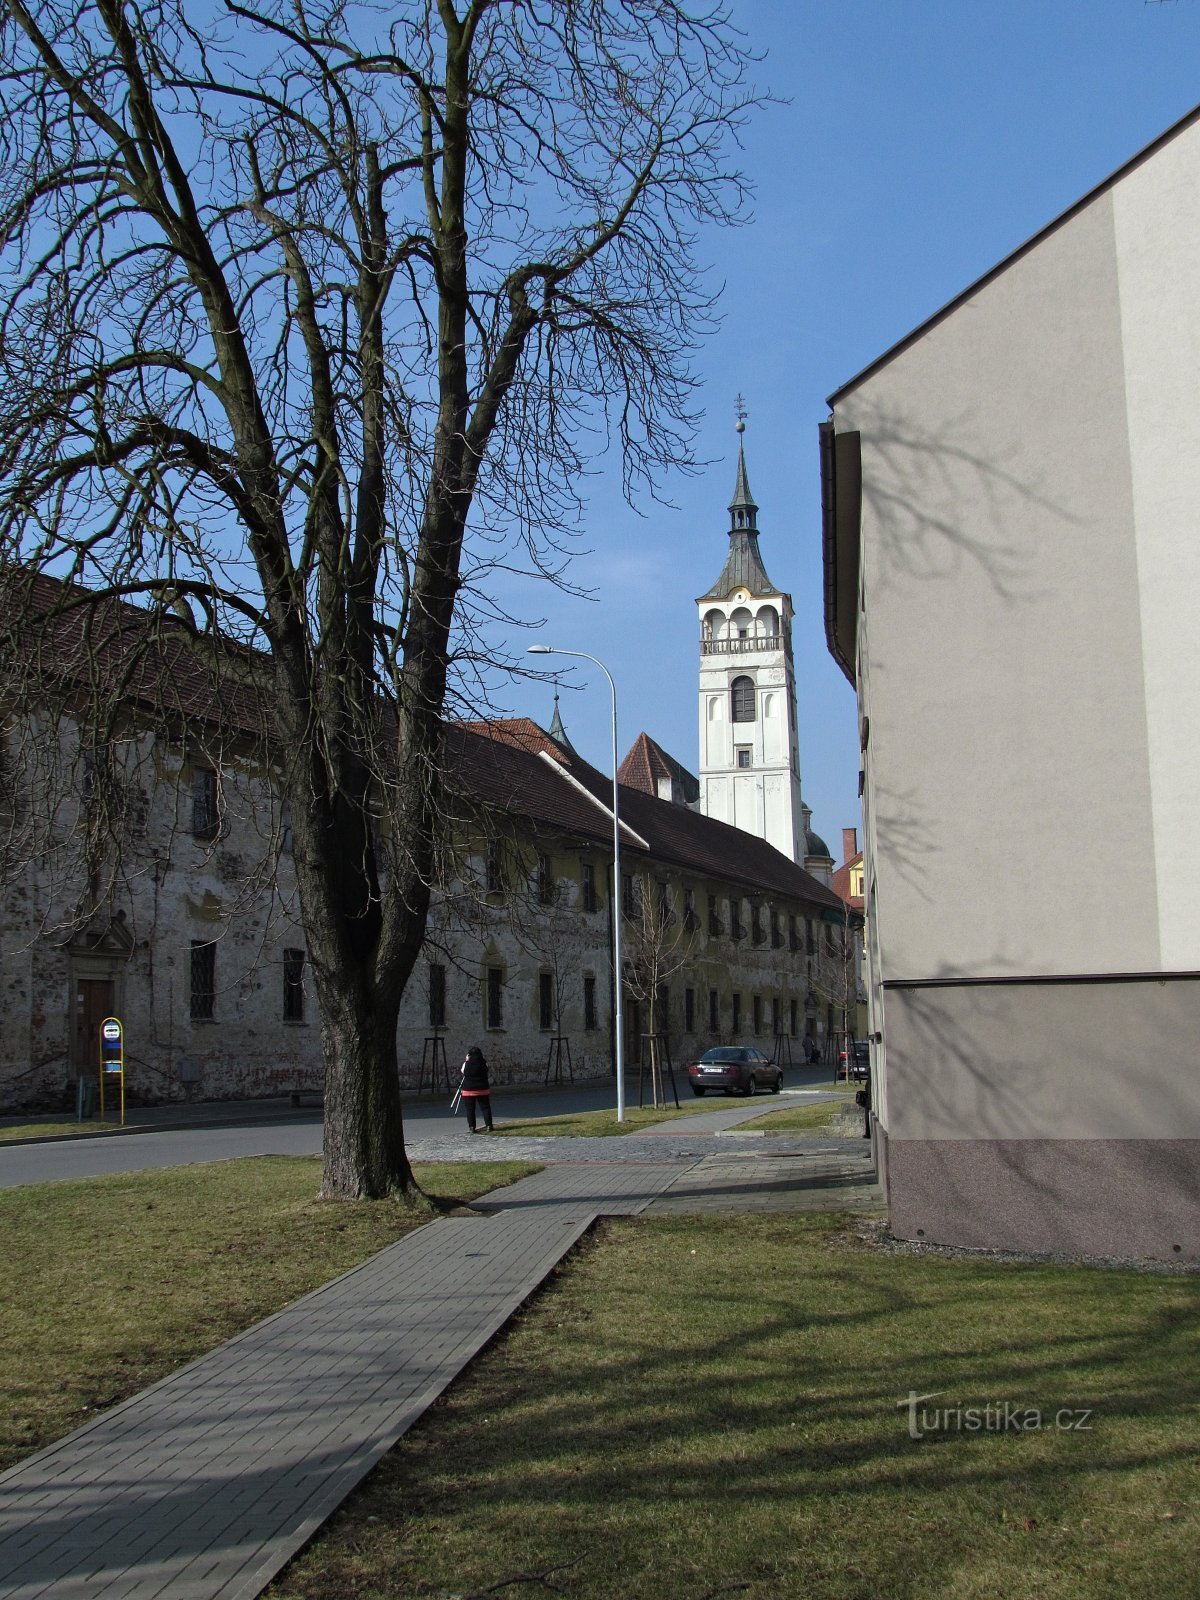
x=290, y=1132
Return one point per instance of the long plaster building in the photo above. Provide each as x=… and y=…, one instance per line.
x=176, y=907
x=1012, y=500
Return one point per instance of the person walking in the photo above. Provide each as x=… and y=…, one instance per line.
x=476, y=1091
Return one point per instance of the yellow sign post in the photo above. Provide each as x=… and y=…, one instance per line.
x=112, y=1060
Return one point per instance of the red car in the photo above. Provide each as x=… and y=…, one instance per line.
x=735, y=1068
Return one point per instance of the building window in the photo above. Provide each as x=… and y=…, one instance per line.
x=590, y=902
x=810, y=938
x=285, y=829
x=666, y=912
x=495, y=997
x=495, y=868
x=776, y=932
x=793, y=1010
x=735, y=920
x=204, y=803
x=714, y=917
x=437, y=995
x=714, y=1012
x=690, y=920
x=741, y=698
x=737, y=1015
x=689, y=1011
x=758, y=1013
x=293, y=985
x=743, y=756
x=776, y=1016
x=628, y=902
x=203, y=988
x=545, y=1001
x=590, y=1020
x=545, y=882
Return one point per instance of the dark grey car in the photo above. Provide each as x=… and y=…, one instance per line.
x=735, y=1068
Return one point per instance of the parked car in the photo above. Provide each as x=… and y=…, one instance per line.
x=735, y=1068
x=861, y=1061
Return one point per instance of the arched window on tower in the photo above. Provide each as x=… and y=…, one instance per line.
x=741, y=695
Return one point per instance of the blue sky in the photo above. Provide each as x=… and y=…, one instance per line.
x=923, y=140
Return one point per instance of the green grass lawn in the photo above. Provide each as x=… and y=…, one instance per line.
x=604, y=1124
x=56, y=1130
x=111, y=1282
x=700, y=1408
x=799, y=1118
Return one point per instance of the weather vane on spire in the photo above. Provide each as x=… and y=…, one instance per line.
x=739, y=406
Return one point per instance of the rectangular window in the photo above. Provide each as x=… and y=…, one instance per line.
x=757, y=1013
x=689, y=1011
x=737, y=1015
x=495, y=868
x=204, y=803
x=437, y=995
x=203, y=988
x=545, y=1001
x=810, y=938
x=776, y=1016
x=735, y=921
x=628, y=902
x=776, y=932
x=690, y=920
x=590, y=902
x=590, y=1020
x=285, y=829
x=666, y=911
x=743, y=756
x=545, y=882
x=293, y=985
x=495, y=997
x=714, y=917
x=793, y=1009
x=714, y=1012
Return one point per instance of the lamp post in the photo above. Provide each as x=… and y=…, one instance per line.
x=619, y=1018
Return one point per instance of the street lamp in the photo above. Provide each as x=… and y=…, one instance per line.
x=619, y=1020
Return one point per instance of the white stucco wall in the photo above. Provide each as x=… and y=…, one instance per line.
x=1156, y=214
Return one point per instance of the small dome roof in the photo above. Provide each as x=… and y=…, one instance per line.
x=814, y=845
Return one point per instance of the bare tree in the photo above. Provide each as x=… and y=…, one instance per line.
x=658, y=946
x=296, y=293
x=833, y=976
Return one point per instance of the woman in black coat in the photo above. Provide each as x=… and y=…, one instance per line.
x=476, y=1091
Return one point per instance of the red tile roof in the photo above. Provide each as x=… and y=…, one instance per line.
x=648, y=763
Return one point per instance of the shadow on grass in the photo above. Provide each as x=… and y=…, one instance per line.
x=698, y=1403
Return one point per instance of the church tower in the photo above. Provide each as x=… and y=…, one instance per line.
x=749, y=751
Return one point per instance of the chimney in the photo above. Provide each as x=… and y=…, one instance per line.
x=849, y=844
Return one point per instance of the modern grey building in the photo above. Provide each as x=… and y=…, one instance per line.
x=1012, y=570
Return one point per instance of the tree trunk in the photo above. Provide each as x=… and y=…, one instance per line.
x=365, y=1157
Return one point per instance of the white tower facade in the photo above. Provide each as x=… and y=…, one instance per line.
x=749, y=749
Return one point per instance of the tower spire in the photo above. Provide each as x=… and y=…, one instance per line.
x=743, y=513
